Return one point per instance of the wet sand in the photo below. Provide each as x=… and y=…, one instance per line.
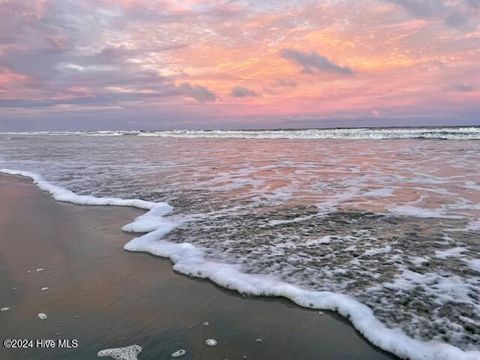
x=106, y=297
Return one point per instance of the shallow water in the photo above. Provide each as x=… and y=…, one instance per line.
x=393, y=223
x=104, y=297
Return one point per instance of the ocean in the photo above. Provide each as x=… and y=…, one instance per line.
x=380, y=225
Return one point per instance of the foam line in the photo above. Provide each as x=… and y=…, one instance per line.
x=191, y=260
x=61, y=194
x=450, y=133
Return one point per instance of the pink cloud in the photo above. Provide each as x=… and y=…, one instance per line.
x=239, y=59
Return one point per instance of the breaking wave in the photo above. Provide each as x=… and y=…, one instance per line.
x=445, y=133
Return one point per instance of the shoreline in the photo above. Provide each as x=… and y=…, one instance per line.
x=318, y=334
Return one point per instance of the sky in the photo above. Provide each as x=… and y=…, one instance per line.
x=197, y=64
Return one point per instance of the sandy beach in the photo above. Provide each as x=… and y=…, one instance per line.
x=67, y=262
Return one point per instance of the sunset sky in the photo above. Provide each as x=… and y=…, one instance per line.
x=139, y=64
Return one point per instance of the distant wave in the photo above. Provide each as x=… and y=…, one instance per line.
x=444, y=133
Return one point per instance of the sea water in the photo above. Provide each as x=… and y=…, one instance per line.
x=380, y=225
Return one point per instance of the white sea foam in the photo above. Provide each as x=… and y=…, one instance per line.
x=211, y=342
x=289, y=221
x=451, y=133
x=418, y=260
x=178, y=353
x=61, y=194
x=474, y=264
x=453, y=252
x=379, y=192
x=152, y=220
x=42, y=316
x=123, y=353
x=445, y=289
x=408, y=210
x=376, y=251
x=323, y=240
x=191, y=260
x=473, y=225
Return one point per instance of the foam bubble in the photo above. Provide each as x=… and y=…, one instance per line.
x=178, y=353
x=123, y=353
x=42, y=316
x=211, y=342
x=5, y=308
